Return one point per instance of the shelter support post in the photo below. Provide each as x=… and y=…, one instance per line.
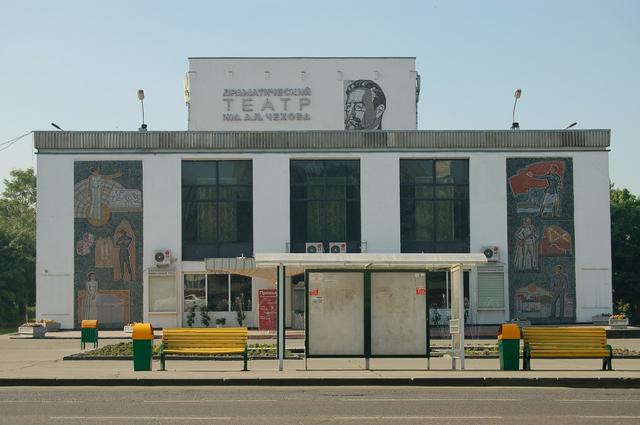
x=456, y=324
x=280, y=287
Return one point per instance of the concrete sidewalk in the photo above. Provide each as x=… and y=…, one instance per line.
x=39, y=362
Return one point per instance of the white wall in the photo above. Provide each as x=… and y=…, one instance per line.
x=380, y=202
x=209, y=77
x=592, y=235
x=54, y=235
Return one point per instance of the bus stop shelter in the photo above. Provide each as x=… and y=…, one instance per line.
x=362, y=305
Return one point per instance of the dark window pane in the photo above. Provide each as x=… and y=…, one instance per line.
x=437, y=283
x=444, y=192
x=335, y=221
x=195, y=173
x=461, y=192
x=423, y=192
x=353, y=221
x=207, y=221
x=461, y=217
x=205, y=193
x=234, y=172
x=298, y=192
x=423, y=223
x=460, y=171
x=228, y=227
x=430, y=219
x=299, y=221
x=234, y=193
x=412, y=169
x=320, y=192
x=218, y=292
x=189, y=221
x=314, y=221
x=194, y=291
x=407, y=219
x=444, y=220
x=244, y=214
x=188, y=194
x=241, y=292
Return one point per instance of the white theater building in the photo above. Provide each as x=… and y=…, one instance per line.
x=315, y=154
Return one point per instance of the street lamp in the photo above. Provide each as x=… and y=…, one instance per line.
x=143, y=127
x=515, y=125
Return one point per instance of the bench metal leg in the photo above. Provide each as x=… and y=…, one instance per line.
x=245, y=358
x=526, y=359
x=162, y=361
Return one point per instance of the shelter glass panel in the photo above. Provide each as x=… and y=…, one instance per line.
x=335, y=313
x=398, y=313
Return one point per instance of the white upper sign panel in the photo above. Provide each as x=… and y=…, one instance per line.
x=275, y=94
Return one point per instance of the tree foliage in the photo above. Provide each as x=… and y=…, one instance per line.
x=625, y=248
x=17, y=245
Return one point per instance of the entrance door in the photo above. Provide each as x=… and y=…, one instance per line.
x=398, y=313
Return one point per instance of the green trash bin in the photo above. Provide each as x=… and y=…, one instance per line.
x=509, y=346
x=88, y=333
x=142, y=337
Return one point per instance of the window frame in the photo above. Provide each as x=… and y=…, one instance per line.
x=436, y=195
x=217, y=195
x=325, y=192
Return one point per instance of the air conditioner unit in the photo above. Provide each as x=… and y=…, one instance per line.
x=337, y=247
x=162, y=257
x=313, y=248
x=491, y=252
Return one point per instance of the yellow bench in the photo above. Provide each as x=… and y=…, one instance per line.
x=203, y=341
x=568, y=342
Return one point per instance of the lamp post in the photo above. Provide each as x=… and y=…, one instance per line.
x=515, y=125
x=143, y=127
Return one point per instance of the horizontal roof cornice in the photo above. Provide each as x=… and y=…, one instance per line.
x=320, y=141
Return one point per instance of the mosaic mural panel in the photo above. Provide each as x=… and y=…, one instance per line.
x=542, y=284
x=108, y=242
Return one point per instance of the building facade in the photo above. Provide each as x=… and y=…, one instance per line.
x=126, y=220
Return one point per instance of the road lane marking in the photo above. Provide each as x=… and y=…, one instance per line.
x=369, y=418
x=207, y=401
x=146, y=418
x=609, y=417
x=433, y=399
x=595, y=401
x=41, y=401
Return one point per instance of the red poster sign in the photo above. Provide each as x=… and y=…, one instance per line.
x=314, y=292
x=267, y=310
x=421, y=290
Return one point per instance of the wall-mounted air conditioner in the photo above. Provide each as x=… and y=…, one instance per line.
x=491, y=252
x=162, y=257
x=337, y=247
x=313, y=248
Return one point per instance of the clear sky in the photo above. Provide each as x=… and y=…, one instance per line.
x=80, y=63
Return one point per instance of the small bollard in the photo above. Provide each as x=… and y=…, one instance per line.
x=142, y=337
x=88, y=333
x=509, y=346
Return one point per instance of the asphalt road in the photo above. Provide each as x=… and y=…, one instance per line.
x=318, y=405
